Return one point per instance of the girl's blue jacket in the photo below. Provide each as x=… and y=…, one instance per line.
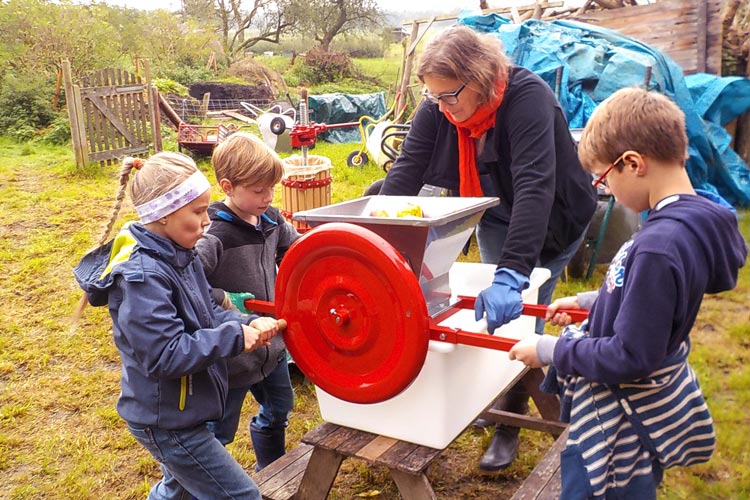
x=173, y=339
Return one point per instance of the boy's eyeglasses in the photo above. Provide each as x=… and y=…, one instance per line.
x=449, y=98
x=601, y=179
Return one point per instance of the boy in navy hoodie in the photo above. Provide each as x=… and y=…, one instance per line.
x=633, y=402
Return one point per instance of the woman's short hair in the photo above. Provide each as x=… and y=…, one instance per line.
x=460, y=53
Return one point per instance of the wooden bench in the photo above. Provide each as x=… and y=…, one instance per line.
x=309, y=470
x=544, y=481
x=280, y=479
x=407, y=462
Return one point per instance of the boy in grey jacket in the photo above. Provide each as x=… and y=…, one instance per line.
x=240, y=252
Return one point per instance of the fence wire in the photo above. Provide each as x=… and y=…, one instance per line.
x=191, y=110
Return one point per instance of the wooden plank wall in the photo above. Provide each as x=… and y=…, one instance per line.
x=688, y=31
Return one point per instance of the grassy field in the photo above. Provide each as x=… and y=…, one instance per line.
x=60, y=437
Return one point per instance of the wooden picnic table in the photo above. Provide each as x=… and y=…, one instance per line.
x=308, y=471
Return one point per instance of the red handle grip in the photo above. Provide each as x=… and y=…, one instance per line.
x=539, y=311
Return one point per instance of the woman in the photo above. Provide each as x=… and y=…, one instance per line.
x=488, y=128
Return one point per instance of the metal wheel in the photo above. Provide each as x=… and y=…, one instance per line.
x=357, y=159
x=277, y=125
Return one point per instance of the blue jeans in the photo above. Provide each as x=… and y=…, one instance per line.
x=275, y=396
x=491, y=234
x=194, y=464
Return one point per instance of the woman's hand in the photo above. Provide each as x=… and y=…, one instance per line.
x=561, y=319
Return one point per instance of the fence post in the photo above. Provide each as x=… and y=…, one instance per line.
x=71, y=97
x=153, y=108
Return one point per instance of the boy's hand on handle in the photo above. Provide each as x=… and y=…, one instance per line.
x=260, y=331
x=561, y=318
x=502, y=300
x=525, y=351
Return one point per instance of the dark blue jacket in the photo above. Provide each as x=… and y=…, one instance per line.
x=172, y=338
x=646, y=307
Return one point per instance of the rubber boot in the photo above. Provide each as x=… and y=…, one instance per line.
x=481, y=423
x=269, y=444
x=503, y=448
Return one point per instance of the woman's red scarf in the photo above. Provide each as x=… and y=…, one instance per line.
x=480, y=122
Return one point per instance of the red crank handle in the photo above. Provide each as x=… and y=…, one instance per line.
x=260, y=306
x=539, y=311
x=266, y=307
x=536, y=310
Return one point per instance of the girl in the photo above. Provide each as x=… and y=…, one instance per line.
x=173, y=340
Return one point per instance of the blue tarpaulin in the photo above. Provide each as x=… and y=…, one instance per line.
x=595, y=62
x=345, y=108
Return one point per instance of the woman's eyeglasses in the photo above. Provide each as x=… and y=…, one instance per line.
x=600, y=181
x=449, y=98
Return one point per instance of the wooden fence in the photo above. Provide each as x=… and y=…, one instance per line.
x=112, y=114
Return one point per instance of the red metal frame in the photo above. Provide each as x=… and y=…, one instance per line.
x=455, y=335
x=306, y=135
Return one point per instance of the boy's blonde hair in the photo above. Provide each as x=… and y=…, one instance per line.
x=634, y=119
x=244, y=159
x=460, y=53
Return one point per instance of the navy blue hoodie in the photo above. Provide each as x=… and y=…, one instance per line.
x=688, y=246
x=172, y=338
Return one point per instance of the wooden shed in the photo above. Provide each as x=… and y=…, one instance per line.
x=688, y=31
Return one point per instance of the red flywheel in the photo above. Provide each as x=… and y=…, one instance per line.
x=357, y=320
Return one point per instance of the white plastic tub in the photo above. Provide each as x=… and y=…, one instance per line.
x=456, y=382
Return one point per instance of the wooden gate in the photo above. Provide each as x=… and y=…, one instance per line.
x=112, y=114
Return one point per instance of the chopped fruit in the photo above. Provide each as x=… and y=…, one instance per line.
x=410, y=211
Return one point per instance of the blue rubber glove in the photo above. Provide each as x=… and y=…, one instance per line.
x=238, y=300
x=502, y=300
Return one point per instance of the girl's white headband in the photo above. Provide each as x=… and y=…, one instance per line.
x=175, y=199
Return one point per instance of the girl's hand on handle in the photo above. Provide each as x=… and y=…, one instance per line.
x=260, y=331
x=561, y=319
x=253, y=338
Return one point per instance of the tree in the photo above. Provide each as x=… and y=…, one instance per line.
x=323, y=20
x=243, y=24
x=41, y=33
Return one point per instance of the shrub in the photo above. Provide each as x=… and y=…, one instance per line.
x=59, y=132
x=319, y=66
x=187, y=75
x=25, y=106
x=167, y=86
x=361, y=45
